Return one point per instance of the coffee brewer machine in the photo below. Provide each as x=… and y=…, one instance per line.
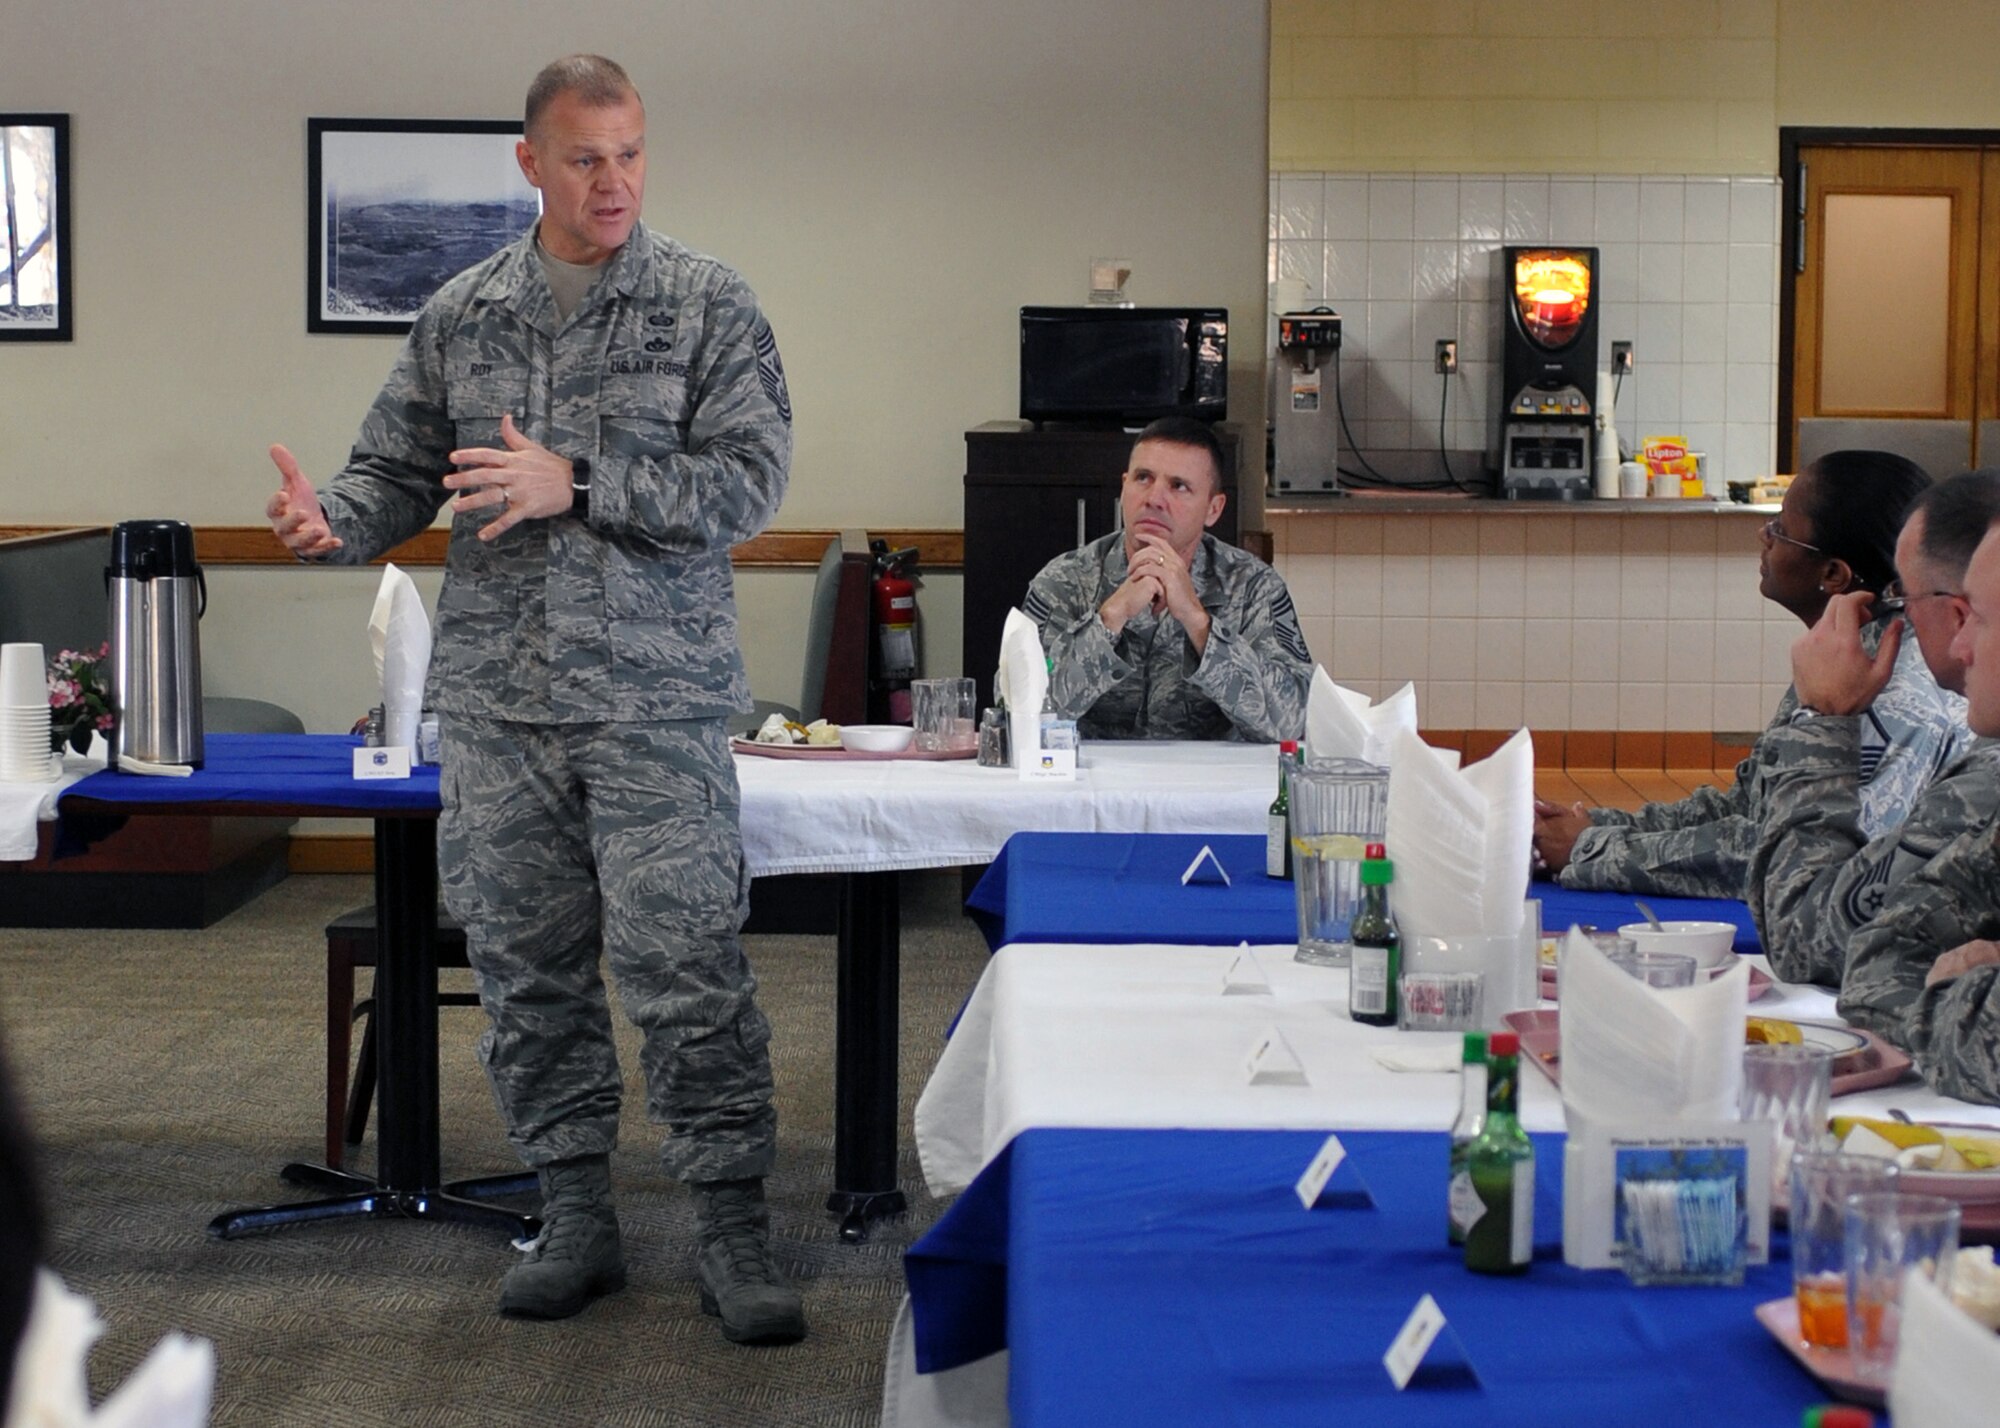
x=1305, y=408
x=157, y=594
x=1548, y=372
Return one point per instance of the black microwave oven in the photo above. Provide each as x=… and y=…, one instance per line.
x=1124, y=365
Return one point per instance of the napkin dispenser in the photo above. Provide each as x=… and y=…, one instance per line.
x=157, y=594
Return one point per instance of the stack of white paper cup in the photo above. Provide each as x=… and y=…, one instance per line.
x=25, y=731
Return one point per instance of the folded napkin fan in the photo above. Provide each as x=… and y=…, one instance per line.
x=170, y=1389
x=1947, y=1362
x=1023, y=681
x=1341, y=724
x=1631, y=1052
x=1460, y=838
x=399, y=631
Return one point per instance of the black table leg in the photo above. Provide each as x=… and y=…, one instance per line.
x=865, y=1052
x=407, y=1182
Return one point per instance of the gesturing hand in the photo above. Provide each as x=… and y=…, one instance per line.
x=527, y=481
x=1831, y=671
x=295, y=513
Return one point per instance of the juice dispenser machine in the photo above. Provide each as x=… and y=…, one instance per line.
x=1548, y=372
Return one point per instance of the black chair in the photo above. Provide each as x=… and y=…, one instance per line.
x=351, y=943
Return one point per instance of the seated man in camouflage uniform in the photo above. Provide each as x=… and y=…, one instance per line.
x=1945, y=1009
x=606, y=413
x=1836, y=533
x=1816, y=878
x=1160, y=631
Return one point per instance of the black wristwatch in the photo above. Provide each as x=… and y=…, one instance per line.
x=579, y=488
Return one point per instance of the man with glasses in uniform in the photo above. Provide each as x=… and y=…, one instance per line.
x=1816, y=879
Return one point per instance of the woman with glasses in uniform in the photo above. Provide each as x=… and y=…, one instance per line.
x=1835, y=533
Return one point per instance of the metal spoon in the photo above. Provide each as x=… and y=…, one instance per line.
x=1651, y=916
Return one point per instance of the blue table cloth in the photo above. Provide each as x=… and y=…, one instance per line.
x=1164, y=1277
x=307, y=770
x=1125, y=887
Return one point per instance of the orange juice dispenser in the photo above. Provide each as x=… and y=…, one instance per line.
x=1548, y=370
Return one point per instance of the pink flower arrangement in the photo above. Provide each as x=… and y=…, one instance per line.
x=79, y=696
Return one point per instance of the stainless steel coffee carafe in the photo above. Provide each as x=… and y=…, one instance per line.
x=157, y=597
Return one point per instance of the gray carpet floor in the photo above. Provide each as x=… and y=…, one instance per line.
x=169, y=1074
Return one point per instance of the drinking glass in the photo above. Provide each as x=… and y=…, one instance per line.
x=1338, y=807
x=1887, y=1236
x=1788, y=1086
x=1822, y=1181
x=1657, y=969
x=942, y=710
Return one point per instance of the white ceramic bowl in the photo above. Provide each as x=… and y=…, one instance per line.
x=876, y=738
x=1707, y=942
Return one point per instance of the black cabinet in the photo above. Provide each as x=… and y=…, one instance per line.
x=1032, y=494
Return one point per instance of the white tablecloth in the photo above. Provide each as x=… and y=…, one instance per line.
x=1142, y=1036
x=24, y=805
x=844, y=816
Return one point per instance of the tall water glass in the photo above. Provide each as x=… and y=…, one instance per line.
x=1339, y=807
x=1657, y=969
x=1789, y=1086
x=1888, y=1235
x=942, y=710
x=1822, y=1181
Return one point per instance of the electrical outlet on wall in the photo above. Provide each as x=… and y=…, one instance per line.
x=1621, y=357
x=1446, y=363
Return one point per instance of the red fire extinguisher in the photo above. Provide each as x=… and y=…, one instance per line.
x=894, y=599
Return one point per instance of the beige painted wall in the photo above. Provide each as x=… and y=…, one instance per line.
x=895, y=179
x=1859, y=62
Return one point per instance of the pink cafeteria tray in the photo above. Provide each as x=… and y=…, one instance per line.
x=835, y=755
x=1876, y=1064
x=1760, y=981
x=1832, y=1367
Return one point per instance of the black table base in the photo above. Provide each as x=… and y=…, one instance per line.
x=865, y=1054
x=408, y=1183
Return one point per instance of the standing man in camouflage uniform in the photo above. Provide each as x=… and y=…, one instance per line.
x=1926, y=972
x=1160, y=631
x=610, y=410
x=1816, y=879
x=1835, y=533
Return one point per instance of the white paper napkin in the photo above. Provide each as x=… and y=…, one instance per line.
x=170, y=1389
x=1634, y=1052
x=1023, y=681
x=1419, y=1058
x=399, y=631
x=1341, y=724
x=1947, y=1363
x=1460, y=838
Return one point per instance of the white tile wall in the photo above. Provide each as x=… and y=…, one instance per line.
x=1553, y=620
x=1689, y=276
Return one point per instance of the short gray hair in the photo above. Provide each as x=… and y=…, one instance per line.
x=593, y=79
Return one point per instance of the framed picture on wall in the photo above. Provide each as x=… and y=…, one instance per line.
x=397, y=206
x=35, y=267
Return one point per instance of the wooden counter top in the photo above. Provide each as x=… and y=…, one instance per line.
x=1290, y=504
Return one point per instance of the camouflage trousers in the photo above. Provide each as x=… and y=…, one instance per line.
x=559, y=840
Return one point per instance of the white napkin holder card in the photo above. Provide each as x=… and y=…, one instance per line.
x=1352, y=1194
x=1272, y=1062
x=1596, y=1158
x=383, y=761
x=1245, y=976
x=1410, y=1360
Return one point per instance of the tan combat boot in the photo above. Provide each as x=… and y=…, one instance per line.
x=577, y=1256
x=740, y=1282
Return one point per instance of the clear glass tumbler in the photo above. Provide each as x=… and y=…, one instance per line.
x=1339, y=807
x=1657, y=969
x=1822, y=1180
x=1888, y=1235
x=942, y=710
x=1789, y=1086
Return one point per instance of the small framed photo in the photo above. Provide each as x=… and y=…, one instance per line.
x=35, y=268
x=397, y=206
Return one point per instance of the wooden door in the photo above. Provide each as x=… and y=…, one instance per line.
x=1888, y=295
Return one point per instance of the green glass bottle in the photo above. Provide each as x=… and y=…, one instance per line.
x=1463, y=1200
x=1278, y=825
x=1377, y=960
x=1501, y=1161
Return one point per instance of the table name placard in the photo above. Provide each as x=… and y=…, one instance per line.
x=1272, y=1062
x=1413, y=1343
x=389, y=761
x=1245, y=976
x=1206, y=868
